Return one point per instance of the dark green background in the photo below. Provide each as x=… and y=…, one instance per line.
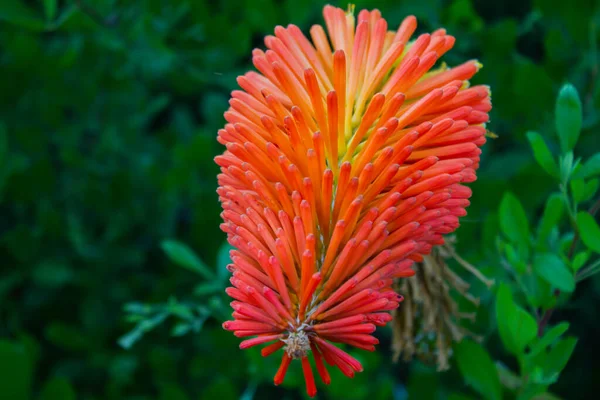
x=108, y=117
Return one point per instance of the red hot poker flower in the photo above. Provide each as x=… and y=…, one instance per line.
x=344, y=163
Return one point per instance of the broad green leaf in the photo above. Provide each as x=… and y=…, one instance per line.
x=554, y=271
x=57, y=389
x=542, y=154
x=478, y=370
x=513, y=220
x=552, y=214
x=15, y=371
x=516, y=327
x=589, y=231
x=183, y=256
x=568, y=117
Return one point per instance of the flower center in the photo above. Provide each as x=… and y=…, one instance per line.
x=297, y=344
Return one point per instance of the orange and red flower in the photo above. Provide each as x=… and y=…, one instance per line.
x=344, y=164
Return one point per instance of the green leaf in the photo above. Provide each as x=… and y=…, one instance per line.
x=566, y=167
x=478, y=370
x=129, y=339
x=15, y=371
x=180, y=329
x=554, y=271
x=208, y=288
x=50, y=9
x=568, y=117
x=548, y=339
x=580, y=259
x=591, y=167
x=542, y=154
x=516, y=327
x=552, y=215
x=57, y=389
x=589, y=231
x=578, y=190
x=559, y=356
x=508, y=378
x=18, y=13
x=591, y=187
x=513, y=220
x=183, y=256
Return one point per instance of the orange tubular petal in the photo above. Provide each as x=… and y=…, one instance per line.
x=311, y=388
x=283, y=367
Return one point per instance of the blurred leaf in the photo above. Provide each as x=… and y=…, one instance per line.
x=548, y=339
x=207, y=288
x=559, y=356
x=513, y=220
x=50, y=9
x=478, y=370
x=580, y=259
x=15, y=371
x=52, y=273
x=590, y=189
x=3, y=146
x=57, y=389
x=65, y=336
x=180, y=329
x=185, y=257
x=551, y=268
x=16, y=12
x=565, y=167
x=223, y=259
x=568, y=117
x=128, y=340
x=578, y=190
x=516, y=327
x=171, y=391
x=589, y=231
x=542, y=154
x=508, y=378
x=591, y=167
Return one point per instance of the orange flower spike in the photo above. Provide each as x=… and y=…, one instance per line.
x=345, y=161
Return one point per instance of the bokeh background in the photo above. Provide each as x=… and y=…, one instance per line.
x=108, y=118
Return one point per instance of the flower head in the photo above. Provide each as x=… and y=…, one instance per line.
x=344, y=163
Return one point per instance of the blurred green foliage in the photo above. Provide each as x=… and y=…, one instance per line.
x=108, y=116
